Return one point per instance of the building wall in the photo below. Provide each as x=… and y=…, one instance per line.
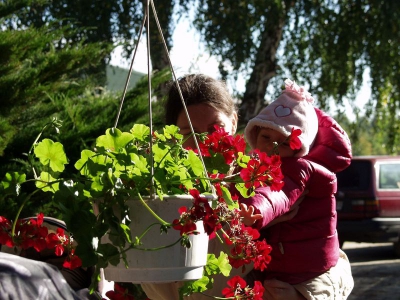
x=116, y=78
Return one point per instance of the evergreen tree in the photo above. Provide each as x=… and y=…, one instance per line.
x=33, y=70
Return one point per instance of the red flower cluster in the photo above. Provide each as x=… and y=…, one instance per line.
x=201, y=210
x=238, y=289
x=245, y=248
x=119, y=293
x=31, y=233
x=263, y=170
x=222, y=142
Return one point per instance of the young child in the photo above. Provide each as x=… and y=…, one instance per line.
x=306, y=250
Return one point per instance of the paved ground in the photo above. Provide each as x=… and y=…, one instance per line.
x=376, y=271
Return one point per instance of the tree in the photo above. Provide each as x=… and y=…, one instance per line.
x=324, y=44
x=33, y=70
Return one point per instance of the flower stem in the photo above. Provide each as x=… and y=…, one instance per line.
x=20, y=210
x=152, y=212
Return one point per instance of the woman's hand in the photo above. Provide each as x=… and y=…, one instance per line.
x=279, y=290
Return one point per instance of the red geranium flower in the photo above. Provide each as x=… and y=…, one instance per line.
x=72, y=261
x=119, y=293
x=236, y=286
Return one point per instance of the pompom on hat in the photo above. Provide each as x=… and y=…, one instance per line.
x=292, y=109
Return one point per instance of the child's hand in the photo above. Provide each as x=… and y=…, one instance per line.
x=249, y=218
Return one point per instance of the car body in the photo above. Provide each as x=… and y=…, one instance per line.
x=368, y=200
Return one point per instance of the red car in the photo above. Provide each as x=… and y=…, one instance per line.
x=368, y=200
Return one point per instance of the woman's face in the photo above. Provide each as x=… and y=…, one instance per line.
x=203, y=118
x=266, y=138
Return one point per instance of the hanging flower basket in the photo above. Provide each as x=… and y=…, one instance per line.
x=171, y=262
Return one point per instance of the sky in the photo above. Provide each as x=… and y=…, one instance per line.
x=188, y=55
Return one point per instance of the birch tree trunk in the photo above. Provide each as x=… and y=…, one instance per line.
x=264, y=67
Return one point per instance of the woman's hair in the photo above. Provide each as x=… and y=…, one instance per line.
x=197, y=89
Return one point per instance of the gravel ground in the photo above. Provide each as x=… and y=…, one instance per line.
x=376, y=271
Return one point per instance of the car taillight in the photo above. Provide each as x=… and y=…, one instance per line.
x=369, y=207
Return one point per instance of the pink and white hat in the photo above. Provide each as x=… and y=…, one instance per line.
x=292, y=109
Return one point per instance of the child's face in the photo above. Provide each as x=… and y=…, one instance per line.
x=265, y=142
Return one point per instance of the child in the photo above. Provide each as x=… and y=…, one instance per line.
x=305, y=248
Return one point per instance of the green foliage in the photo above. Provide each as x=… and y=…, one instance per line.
x=33, y=69
x=368, y=137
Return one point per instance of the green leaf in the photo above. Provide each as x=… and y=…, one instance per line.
x=140, y=164
x=197, y=286
x=218, y=265
x=244, y=191
x=52, y=154
x=45, y=182
x=161, y=155
x=12, y=182
x=114, y=140
x=223, y=264
x=172, y=131
x=194, y=161
x=228, y=198
x=81, y=163
x=140, y=132
x=85, y=251
x=214, y=266
x=127, y=231
x=109, y=251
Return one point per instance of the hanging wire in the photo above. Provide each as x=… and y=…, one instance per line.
x=150, y=108
x=181, y=96
x=146, y=20
x=130, y=71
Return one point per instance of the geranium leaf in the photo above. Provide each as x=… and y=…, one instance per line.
x=81, y=163
x=140, y=132
x=228, y=198
x=243, y=190
x=197, y=286
x=52, y=154
x=195, y=163
x=109, y=250
x=223, y=264
x=127, y=232
x=172, y=131
x=44, y=180
x=114, y=139
x=159, y=155
x=12, y=182
x=218, y=265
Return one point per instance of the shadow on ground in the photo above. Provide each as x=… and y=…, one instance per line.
x=376, y=271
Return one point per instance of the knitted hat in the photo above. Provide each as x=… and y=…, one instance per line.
x=292, y=109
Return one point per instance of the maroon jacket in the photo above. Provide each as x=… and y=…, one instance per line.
x=307, y=245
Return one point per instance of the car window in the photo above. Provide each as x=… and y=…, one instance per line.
x=356, y=177
x=389, y=176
